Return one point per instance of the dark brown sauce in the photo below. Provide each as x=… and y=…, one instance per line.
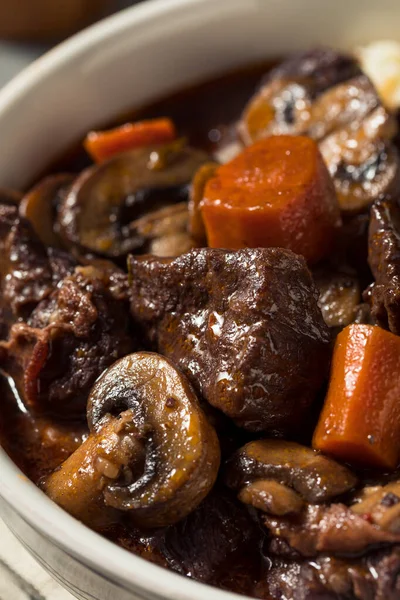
x=202, y=113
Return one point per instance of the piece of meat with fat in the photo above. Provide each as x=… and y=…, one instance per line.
x=28, y=271
x=384, y=260
x=333, y=529
x=70, y=338
x=244, y=327
x=375, y=576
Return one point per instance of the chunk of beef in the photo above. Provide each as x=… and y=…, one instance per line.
x=28, y=272
x=71, y=337
x=384, y=260
x=374, y=577
x=380, y=505
x=244, y=327
x=218, y=543
x=334, y=529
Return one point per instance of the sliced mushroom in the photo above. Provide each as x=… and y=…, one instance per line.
x=294, y=107
x=151, y=450
x=165, y=230
x=196, y=224
x=271, y=497
x=363, y=162
x=40, y=204
x=99, y=207
x=78, y=484
x=288, y=102
x=339, y=297
x=315, y=477
x=282, y=107
x=347, y=103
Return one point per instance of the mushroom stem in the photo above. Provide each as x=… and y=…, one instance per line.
x=78, y=484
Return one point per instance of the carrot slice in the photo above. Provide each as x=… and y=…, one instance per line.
x=101, y=145
x=277, y=192
x=360, y=420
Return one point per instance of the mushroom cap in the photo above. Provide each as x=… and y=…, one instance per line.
x=315, y=477
x=181, y=448
x=40, y=205
x=96, y=212
x=362, y=161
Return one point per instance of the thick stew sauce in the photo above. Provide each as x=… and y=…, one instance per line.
x=200, y=332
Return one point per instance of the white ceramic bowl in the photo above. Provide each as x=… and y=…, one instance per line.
x=123, y=62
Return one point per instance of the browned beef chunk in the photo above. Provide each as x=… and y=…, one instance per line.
x=25, y=271
x=28, y=272
x=384, y=260
x=374, y=577
x=71, y=337
x=244, y=327
x=333, y=529
x=218, y=543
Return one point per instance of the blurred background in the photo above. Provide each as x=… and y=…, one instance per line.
x=30, y=27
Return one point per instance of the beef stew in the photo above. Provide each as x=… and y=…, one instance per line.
x=199, y=332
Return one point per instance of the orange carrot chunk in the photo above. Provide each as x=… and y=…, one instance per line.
x=101, y=145
x=277, y=192
x=360, y=420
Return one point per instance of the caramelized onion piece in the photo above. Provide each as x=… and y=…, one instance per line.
x=151, y=450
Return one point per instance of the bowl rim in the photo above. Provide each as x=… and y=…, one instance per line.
x=120, y=566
